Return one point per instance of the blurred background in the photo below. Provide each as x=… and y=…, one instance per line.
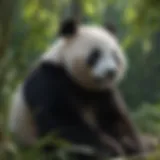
x=28, y=27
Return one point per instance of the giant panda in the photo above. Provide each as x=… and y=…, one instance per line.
x=73, y=88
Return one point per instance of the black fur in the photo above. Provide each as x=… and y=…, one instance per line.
x=111, y=28
x=53, y=99
x=68, y=27
x=94, y=57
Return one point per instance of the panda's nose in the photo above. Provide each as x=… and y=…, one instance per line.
x=111, y=73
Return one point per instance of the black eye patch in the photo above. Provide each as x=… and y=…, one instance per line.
x=93, y=57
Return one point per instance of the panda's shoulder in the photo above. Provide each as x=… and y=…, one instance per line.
x=45, y=72
x=44, y=83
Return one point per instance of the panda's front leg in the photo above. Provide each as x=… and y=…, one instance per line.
x=120, y=125
x=108, y=146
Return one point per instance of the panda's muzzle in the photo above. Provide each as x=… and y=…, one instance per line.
x=109, y=75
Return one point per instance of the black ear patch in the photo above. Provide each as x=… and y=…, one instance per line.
x=68, y=27
x=111, y=28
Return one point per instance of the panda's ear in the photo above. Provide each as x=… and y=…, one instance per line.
x=111, y=28
x=68, y=27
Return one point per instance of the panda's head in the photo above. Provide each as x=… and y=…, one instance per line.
x=90, y=54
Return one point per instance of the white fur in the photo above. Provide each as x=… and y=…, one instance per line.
x=20, y=121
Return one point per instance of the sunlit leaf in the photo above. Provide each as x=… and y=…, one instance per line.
x=89, y=8
x=30, y=9
x=129, y=15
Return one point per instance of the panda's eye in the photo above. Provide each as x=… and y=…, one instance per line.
x=93, y=57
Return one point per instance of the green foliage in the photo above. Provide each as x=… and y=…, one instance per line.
x=148, y=118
